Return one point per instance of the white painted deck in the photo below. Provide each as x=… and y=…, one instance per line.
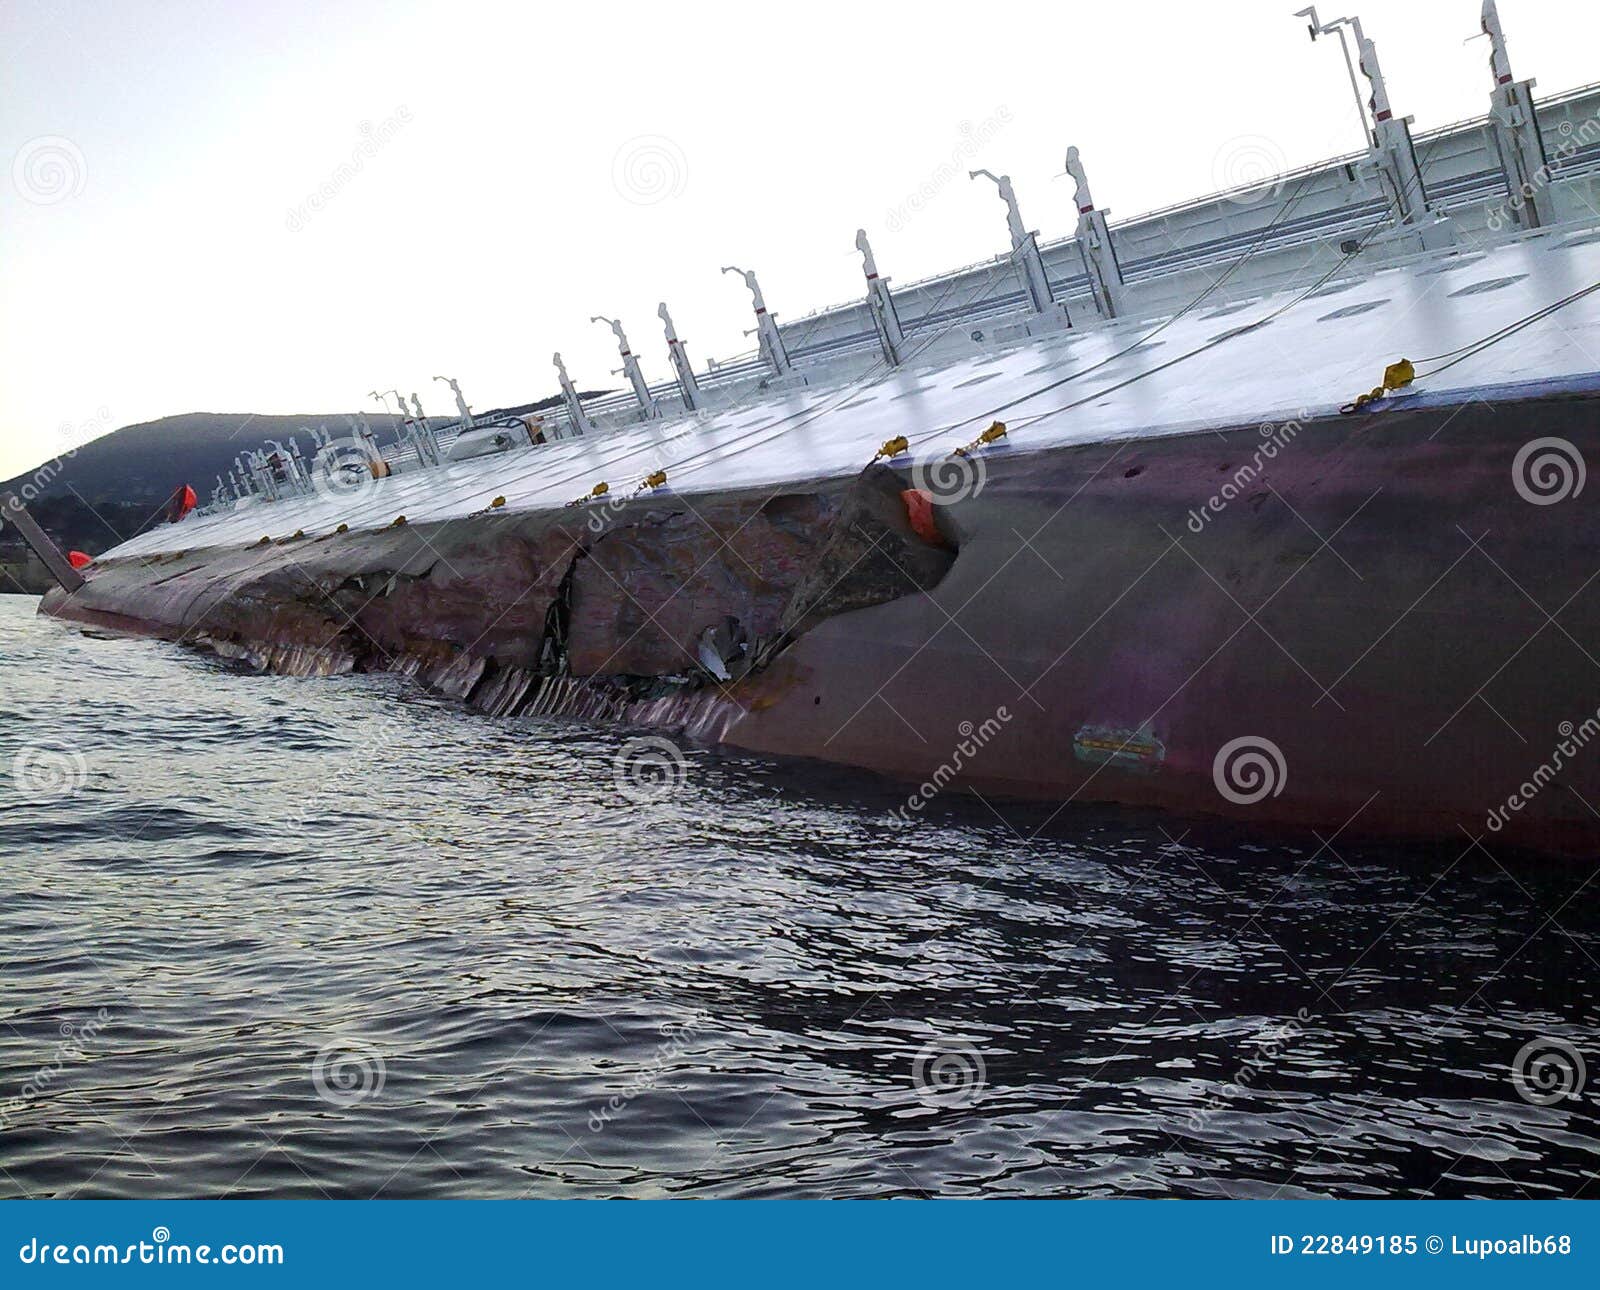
x=1319, y=354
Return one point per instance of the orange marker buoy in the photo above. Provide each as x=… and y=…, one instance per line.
x=78, y=560
x=919, y=511
x=182, y=501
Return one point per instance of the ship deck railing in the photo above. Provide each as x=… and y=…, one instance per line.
x=979, y=293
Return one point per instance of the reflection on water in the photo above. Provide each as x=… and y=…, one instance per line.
x=266, y=936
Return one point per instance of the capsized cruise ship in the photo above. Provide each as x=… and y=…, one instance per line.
x=1269, y=505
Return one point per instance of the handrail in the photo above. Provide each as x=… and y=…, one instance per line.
x=1460, y=127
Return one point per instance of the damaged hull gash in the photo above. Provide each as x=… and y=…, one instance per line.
x=1373, y=632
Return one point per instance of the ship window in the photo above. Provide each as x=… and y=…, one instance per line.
x=1225, y=310
x=1332, y=289
x=1350, y=311
x=1492, y=284
x=856, y=403
x=1587, y=239
x=976, y=380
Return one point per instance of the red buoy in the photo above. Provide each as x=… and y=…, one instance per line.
x=919, y=512
x=181, y=502
x=78, y=560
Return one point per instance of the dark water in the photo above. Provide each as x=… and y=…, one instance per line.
x=307, y=937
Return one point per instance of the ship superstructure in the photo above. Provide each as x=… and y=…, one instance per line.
x=1456, y=189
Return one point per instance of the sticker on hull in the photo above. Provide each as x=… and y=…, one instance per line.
x=1134, y=750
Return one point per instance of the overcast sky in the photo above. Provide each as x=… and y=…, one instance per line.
x=277, y=205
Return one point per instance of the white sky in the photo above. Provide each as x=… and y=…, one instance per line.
x=491, y=225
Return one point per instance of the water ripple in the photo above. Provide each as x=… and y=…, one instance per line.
x=339, y=937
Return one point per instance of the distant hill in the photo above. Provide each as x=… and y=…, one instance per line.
x=108, y=490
